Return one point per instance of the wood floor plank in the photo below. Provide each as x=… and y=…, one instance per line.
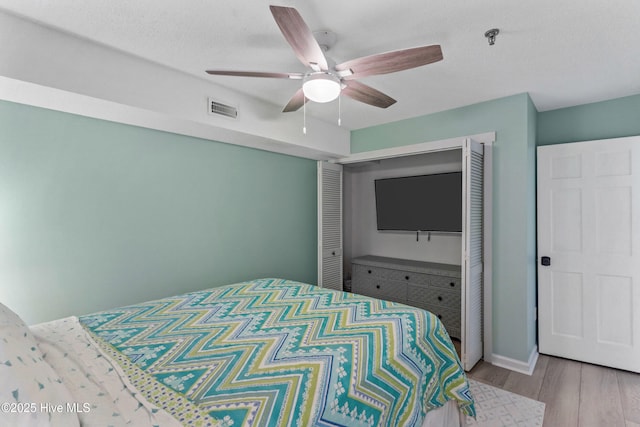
x=575, y=394
x=561, y=393
x=629, y=384
x=600, y=403
x=489, y=374
x=528, y=385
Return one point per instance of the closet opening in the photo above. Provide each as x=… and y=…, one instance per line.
x=446, y=269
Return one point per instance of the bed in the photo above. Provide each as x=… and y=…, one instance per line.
x=267, y=352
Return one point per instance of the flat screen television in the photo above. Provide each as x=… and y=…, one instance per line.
x=420, y=203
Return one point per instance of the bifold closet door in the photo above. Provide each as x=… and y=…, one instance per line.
x=472, y=252
x=330, y=225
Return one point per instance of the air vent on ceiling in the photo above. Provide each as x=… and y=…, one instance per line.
x=221, y=109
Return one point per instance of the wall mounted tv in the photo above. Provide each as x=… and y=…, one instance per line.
x=420, y=203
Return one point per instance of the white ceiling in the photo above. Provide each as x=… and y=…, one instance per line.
x=562, y=52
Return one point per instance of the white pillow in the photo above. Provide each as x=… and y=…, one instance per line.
x=29, y=387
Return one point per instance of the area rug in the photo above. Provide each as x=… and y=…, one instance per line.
x=500, y=408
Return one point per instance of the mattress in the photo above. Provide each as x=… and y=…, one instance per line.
x=268, y=352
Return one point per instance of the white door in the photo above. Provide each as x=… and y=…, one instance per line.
x=472, y=252
x=589, y=235
x=330, y=225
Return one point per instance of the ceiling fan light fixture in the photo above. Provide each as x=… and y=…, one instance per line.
x=321, y=87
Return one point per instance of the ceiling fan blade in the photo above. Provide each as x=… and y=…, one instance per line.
x=300, y=37
x=293, y=76
x=367, y=94
x=296, y=101
x=391, y=62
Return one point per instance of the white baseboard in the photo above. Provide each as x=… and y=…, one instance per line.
x=517, y=365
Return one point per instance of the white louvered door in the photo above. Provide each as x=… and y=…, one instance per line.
x=472, y=252
x=330, y=225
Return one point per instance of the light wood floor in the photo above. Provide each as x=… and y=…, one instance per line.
x=576, y=394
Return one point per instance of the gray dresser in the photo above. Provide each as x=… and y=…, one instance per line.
x=431, y=286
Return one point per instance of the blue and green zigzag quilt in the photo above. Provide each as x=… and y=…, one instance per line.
x=274, y=352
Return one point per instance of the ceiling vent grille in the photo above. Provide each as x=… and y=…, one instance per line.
x=220, y=109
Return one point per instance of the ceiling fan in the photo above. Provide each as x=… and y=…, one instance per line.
x=326, y=82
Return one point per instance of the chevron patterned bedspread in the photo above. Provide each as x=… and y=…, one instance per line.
x=274, y=352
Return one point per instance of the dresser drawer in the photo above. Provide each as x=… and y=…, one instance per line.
x=408, y=276
x=390, y=274
x=452, y=283
x=380, y=288
x=367, y=272
x=450, y=318
x=423, y=295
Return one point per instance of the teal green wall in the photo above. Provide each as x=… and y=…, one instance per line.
x=96, y=214
x=513, y=202
x=600, y=120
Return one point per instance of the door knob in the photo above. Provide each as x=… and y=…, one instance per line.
x=546, y=261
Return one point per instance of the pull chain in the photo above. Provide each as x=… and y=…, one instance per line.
x=304, y=115
x=340, y=109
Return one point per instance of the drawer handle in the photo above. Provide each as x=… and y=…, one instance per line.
x=439, y=298
x=333, y=253
x=406, y=277
x=452, y=284
x=369, y=271
x=377, y=286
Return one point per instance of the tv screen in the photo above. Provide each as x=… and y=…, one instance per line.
x=420, y=203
